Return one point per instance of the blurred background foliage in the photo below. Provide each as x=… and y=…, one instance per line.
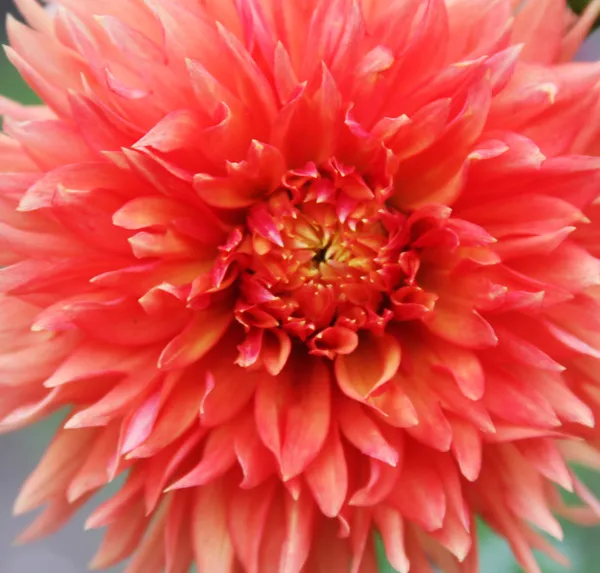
x=579, y=5
x=581, y=545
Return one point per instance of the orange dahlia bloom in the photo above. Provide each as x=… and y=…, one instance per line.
x=305, y=270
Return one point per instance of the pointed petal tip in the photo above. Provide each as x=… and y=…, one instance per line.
x=20, y=506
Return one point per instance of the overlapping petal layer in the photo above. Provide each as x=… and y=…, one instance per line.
x=306, y=270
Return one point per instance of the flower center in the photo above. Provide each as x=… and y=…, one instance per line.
x=324, y=257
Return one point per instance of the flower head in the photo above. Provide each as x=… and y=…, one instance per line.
x=306, y=271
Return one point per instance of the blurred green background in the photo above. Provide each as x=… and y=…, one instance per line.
x=582, y=545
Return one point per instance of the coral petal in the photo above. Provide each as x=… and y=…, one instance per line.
x=327, y=476
x=307, y=422
x=213, y=550
x=202, y=333
x=359, y=375
x=363, y=433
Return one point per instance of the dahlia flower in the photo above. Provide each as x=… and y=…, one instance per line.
x=306, y=272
